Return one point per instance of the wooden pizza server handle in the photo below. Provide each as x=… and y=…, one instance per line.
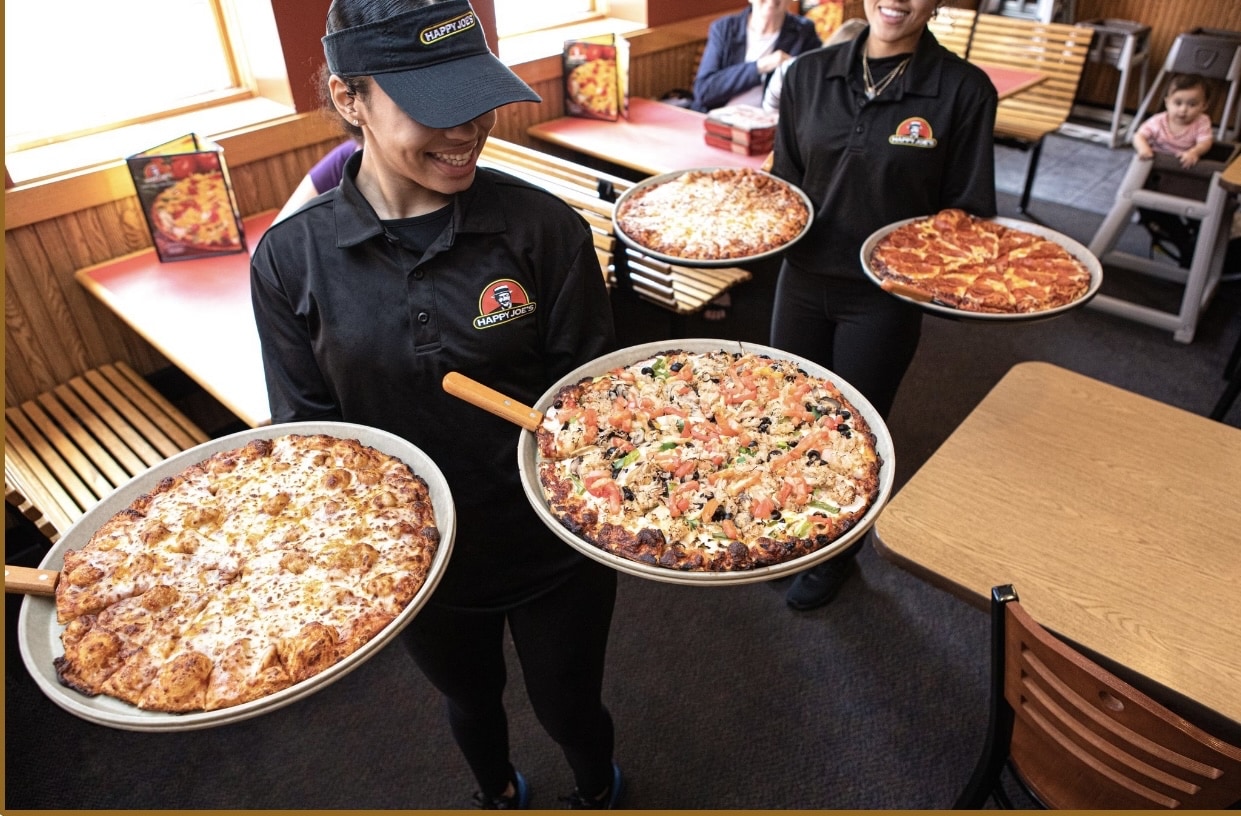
x=29, y=580
x=475, y=393
x=904, y=290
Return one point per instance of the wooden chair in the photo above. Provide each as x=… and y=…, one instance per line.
x=1056, y=50
x=1078, y=737
x=953, y=28
x=68, y=448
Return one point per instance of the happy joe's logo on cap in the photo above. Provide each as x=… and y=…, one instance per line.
x=440, y=31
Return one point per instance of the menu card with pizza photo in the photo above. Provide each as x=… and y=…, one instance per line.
x=187, y=198
x=596, y=77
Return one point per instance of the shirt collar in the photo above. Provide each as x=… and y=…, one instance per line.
x=921, y=78
x=474, y=209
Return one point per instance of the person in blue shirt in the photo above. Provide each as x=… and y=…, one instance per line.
x=745, y=49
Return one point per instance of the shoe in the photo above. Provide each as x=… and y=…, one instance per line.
x=520, y=800
x=604, y=801
x=818, y=585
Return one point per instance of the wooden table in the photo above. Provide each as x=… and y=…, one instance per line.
x=1010, y=81
x=198, y=314
x=1115, y=517
x=656, y=138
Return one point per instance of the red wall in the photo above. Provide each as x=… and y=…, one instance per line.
x=301, y=26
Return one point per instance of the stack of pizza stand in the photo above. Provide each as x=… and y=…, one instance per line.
x=39, y=633
x=742, y=129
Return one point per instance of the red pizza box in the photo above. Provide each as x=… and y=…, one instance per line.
x=744, y=124
x=187, y=198
x=725, y=143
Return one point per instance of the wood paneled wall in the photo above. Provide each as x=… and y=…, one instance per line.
x=54, y=330
x=1167, y=19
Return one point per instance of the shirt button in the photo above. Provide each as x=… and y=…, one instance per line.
x=419, y=274
x=424, y=318
x=858, y=129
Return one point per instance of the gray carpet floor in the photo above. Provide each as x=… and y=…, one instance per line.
x=723, y=698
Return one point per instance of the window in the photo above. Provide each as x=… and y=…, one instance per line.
x=523, y=16
x=80, y=71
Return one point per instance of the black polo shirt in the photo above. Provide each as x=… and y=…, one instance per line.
x=924, y=144
x=355, y=326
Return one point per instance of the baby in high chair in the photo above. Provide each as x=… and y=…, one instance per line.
x=1183, y=129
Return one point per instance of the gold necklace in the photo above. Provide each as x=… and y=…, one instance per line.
x=873, y=90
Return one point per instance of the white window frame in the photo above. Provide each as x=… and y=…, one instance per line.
x=261, y=93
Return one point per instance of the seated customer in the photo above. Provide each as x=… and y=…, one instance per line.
x=745, y=49
x=847, y=31
x=322, y=177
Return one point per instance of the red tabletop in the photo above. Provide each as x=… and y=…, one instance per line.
x=197, y=313
x=656, y=138
x=1010, y=81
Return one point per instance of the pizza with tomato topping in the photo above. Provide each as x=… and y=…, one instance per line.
x=252, y=570
x=978, y=265
x=707, y=461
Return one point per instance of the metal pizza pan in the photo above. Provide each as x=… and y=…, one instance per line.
x=694, y=262
x=1075, y=248
x=39, y=634
x=528, y=464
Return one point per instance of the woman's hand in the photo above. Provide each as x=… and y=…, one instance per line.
x=770, y=62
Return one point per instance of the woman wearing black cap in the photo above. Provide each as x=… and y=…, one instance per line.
x=367, y=296
x=888, y=126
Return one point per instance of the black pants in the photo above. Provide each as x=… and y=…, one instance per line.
x=849, y=326
x=561, y=640
x=854, y=329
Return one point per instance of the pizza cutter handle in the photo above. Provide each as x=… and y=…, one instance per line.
x=29, y=580
x=491, y=400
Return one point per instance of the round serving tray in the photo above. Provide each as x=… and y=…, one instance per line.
x=528, y=463
x=39, y=634
x=1076, y=249
x=694, y=262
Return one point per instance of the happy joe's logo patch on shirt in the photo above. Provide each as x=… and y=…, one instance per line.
x=502, y=301
x=913, y=132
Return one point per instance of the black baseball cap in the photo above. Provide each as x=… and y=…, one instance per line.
x=433, y=61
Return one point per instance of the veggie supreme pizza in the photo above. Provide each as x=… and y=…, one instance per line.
x=707, y=461
x=250, y=571
x=978, y=265
x=713, y=215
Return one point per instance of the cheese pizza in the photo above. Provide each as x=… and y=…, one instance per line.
x=707, y=461
x=247, y=572
x=713, y=214
x=978, y=265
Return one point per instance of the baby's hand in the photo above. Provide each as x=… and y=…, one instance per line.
x=1188, y=159
x=1144, y=152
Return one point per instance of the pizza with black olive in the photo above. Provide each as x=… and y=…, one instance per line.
x=707, y=461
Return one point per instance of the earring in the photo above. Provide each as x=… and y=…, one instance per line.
x=356, y=123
